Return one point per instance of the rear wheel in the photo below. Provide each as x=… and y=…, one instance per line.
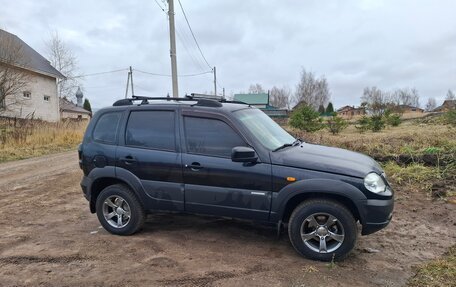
x=119, y=210
x=322, y=230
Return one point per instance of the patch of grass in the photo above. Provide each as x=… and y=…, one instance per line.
x=437, y=273
x=415, y=176
x=35, y=138
x=416, y=156
x=412, y=139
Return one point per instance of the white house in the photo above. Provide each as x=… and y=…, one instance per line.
x=38, y=97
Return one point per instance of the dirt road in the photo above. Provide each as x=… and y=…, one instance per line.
x=49, y=238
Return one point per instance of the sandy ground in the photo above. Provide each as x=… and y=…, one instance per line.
x=49, y=238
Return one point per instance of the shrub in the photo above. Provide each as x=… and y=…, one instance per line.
x=336, y=124
x=393, y=120
x=363, y=124
x=450, y=117
x=306, y=118
x=376, y=123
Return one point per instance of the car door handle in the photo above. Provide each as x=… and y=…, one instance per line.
x=195, y=166
x=128, y=160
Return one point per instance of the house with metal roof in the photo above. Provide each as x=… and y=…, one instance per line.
x=33, y=78
x=260, y=100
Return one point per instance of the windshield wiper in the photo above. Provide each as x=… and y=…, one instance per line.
x=296, y=142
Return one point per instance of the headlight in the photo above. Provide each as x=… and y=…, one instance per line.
x=373, y=182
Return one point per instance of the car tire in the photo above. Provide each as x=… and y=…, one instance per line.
x=119, y=211
x=322, y=230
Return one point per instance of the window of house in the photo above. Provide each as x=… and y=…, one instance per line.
x=151, y=129
x=46, y=98
x=203, y=136
x=106, y=128
x=27, y=94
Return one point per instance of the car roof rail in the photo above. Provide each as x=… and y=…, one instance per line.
x=201, y=100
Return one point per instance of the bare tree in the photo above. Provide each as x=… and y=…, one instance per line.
x=431, y=104
x=256, y=89
x=63, y=59
x=280, y=97
x=450, y=95
x=312, y=91
x=13, y=77
x=405, y=96
x=375, y=100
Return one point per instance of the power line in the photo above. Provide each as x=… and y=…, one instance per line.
x=187, y=38
x=183, y=42
x=193, y=35
x=163, y=9
x=100, y=73
x=167, y=75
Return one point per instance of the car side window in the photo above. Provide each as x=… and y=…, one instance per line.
x=210, y=137
x=106, y=128
x=151, y=129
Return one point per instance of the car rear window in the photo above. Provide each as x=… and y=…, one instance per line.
x=106, y=128
x=151, y=129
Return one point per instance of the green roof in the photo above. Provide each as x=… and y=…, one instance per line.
x=252, y=99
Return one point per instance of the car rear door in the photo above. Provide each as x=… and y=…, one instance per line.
x=214, y=184
x=150, y=150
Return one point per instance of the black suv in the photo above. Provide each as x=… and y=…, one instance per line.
x=215, y=157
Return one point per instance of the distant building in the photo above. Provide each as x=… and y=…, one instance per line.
x=69, y=110
x=260, y=100
x=408, y=111
x=349, y=112
x=446, y=106
x=39, y=97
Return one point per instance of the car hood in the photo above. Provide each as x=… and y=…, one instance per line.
x=326, y=159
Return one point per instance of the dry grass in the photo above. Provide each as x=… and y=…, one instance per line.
x=26, y=138
x=410, y=138
x=417, y=155
x=437, y=273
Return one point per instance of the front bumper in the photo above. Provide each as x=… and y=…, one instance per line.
x=376, y=214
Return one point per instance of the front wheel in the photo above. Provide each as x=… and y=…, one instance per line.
x=322, y=230
x=119, y=210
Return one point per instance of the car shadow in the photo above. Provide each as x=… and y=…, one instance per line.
x=227, y=227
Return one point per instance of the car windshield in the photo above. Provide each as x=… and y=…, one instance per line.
x=264, y=129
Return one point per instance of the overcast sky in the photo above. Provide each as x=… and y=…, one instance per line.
x=388, y=44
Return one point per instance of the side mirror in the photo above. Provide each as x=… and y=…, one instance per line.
x=243, y=154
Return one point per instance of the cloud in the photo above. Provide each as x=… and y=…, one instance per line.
x=389, y=44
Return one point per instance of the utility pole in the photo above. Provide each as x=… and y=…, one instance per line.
x=172, y=51
x=215, y=81
x=128, y=83
x=131, y=80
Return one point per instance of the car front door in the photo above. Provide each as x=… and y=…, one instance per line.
x=150, y=150
x=214, y=184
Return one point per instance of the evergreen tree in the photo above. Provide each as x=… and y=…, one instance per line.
x=86, y=105
x=306, y=118
x=321, y=109
x=329, y=108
